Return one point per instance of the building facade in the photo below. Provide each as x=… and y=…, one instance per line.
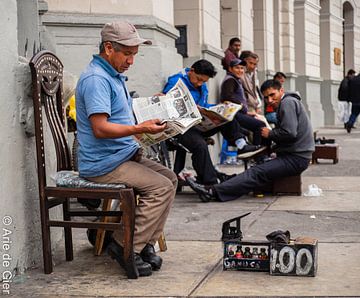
x=313, y=41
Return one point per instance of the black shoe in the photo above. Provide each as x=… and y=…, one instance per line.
x=90, y=204
x=149, y=256
x=249, y=150
x=117, y=252
x=205, y=194
x=348, y=127
x=223, y=177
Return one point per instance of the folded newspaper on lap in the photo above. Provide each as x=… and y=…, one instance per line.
x=177, y=108
x=218, y=115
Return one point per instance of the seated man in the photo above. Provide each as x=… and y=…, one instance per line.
x=270, y=114
x=108, y=152
x=195, y=79
x=250, y=82
x=295, y=144
x=232, y=90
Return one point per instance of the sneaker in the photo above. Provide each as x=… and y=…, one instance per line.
x=250, y=150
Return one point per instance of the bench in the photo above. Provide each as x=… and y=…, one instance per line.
x=47, y=83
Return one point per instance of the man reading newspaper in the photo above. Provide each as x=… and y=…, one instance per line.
x=194, y=140
x=177, y=109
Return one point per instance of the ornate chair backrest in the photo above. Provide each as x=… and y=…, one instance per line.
x=47, y=82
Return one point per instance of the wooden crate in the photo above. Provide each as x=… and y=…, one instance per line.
x=326, y=151
x=299, y=258
x=287, y=185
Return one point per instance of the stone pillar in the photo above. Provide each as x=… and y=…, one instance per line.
x=264, y=36
x=307, y=52
x=284, y=41
x=19, y=185
x=74, y=28
x=236, y=21
x=202, y=18
x=330, y=38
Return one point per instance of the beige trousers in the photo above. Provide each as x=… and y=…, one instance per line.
x=156, y=186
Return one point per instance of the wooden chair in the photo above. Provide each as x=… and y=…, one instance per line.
x=47, y=80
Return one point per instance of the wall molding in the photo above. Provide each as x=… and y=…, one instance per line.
x=98, y=21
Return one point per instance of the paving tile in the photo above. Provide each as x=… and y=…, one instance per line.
x=324, y=225
x=329, y=201
x=336, y=184
x=191, y=219
x=185, y=265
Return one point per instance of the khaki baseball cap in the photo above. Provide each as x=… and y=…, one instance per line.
x=122, y=33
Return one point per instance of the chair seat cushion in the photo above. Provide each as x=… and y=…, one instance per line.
x=72, y=179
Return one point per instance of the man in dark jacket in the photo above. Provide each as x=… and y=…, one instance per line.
x=295, y=144
x=344, y=106
x=354, y=97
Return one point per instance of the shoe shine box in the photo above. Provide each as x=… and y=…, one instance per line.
x=243, y=255
x=298, y=258
x=246, y=255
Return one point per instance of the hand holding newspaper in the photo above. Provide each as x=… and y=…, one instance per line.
x=177, y=108
x=218, y=115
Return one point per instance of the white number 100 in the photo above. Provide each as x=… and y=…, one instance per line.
x=292, y=260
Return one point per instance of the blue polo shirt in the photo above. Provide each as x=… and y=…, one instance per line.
x=200, y=95
x=101, y=89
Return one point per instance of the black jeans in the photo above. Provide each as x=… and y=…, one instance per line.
x=194, y=140
x=260, y=175
x=251, y=124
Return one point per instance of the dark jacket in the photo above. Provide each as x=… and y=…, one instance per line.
x=354, y=89
x=343, y=93
x=232, y=90
x=294, y=133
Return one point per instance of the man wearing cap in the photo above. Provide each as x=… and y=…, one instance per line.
x=108, y=152
x=232, y=90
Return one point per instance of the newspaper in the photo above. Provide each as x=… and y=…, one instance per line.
x=218, y=115
x=177, y=108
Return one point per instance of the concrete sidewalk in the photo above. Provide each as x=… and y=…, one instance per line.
x=193, y=263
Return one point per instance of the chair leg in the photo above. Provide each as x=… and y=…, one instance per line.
x=46, y=239
x=100, y=235
x=128, y=225
x=68, y=233
x=162, y=242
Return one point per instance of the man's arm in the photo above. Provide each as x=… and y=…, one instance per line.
x=287, y=130
x=104, y=129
